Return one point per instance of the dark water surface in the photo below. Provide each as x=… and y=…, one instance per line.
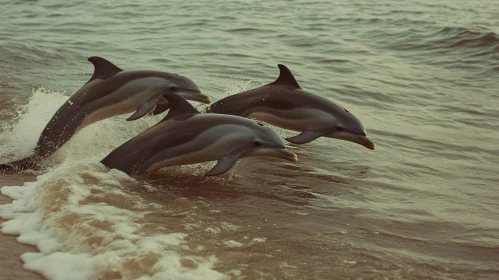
x=423, y=76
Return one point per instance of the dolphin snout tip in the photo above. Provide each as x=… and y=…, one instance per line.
x=203, y=98
x=195, y=96
x=366, y=142
x=372, y=146
x=288, y=155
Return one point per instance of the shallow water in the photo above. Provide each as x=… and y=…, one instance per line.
x=422, y=76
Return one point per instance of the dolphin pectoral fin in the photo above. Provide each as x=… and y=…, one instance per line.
x=304, y=137
x=160, y=108
x=143, y=109
x=223, y=165
x=149, y=105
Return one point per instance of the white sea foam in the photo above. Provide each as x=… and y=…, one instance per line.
x=19, y=137
x=80, y=215
x=233, y=244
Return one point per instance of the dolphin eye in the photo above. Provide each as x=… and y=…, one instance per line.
x=257, y=143
x=259, y=123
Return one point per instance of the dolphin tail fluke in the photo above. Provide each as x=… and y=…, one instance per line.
x=23, y=164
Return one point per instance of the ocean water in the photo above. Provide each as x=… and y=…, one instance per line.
x=423, y=76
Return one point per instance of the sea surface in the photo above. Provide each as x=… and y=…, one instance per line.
x=423, y=76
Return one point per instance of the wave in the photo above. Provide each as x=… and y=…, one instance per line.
x=449, y=39
x=85, y=219
x=15, y=53
x=457, y=37
x=86, y=224
x=19, y=136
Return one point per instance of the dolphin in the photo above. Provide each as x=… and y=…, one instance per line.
x=285, y=104
x=185, y=136
x=110, y=91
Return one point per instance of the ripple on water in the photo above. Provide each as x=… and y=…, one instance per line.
x=422, y=77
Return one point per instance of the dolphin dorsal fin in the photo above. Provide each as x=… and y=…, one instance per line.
x=178, y=106
x=103, y=68
x=286, y=78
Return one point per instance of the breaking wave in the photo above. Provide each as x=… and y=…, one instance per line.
x=82, y=216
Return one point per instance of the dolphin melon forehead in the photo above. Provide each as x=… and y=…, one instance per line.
x=184, y=82
x=351, y=122
x=267, y=134
x=175, y=79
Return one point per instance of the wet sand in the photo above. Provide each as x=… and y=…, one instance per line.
x=10, y=261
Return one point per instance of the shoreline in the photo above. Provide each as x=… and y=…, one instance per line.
x=10, y=259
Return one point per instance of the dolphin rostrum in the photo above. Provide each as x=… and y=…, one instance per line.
x=285, y=104
x=110, y=91
x=185, y=136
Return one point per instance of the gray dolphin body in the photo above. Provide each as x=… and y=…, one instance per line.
x=285, y=104
x=185, y=137
x=109, y=92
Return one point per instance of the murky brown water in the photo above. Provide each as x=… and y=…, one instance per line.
x=422, y=77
